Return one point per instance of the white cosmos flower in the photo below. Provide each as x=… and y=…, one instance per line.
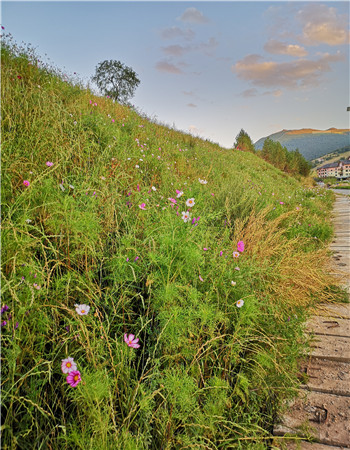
x=190, y=202
x=154, y=188
x=202, y=181
x=186, y=216
x=82, y=310
x=240, y=303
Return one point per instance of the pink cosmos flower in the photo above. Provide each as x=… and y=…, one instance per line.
x=221, y=253
x=68, y=365
x=178, y=193
x=172, y=200
x=235, y=254
x=49, y=163
x=240, y=246
x=201, y=279
x=82, y=310
x=281, y=203
x=131, y=341
x=26, y=183
x=142, y=206
x=74, y=378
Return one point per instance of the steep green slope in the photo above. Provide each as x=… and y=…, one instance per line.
x=93, y=220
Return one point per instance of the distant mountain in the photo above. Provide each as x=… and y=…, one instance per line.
x=310, y=143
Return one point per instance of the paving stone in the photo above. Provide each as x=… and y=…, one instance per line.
x=328, y=326
x=303, y=445
x=324, y=417
x=332, y=377
x=334, y=348
x=340, y=310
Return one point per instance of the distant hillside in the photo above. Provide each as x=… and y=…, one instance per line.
x=311, y=143
x=341, y=154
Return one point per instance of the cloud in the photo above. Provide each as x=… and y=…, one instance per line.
x=175, y=50
x=280, y=48
x=323, y=25
x=164, y=66
x=190, y=93
x=191, y=105
x=253, y=92
x=290, y=75
x=208, y=47
x=193, y=15
x=176, y=32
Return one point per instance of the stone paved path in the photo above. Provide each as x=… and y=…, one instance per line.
x=322, y=410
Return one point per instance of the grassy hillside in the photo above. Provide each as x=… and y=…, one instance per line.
x=312, y=144
x=93, y=221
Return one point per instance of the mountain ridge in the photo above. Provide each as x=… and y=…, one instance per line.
x=311, y=143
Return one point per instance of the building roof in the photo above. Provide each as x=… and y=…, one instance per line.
x=330, y=166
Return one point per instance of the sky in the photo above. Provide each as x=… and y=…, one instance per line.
x=206, y=67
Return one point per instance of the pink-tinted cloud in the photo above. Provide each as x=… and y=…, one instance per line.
x=164, y=66
x=175, y=50
x=208, y=47
x=191, y=105
x=290, y=75
x=176, y=32
x=323, y=25
x=253, y=92
x=193, y=15
x=280, y=48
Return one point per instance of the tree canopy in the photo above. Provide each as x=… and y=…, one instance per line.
x=116, y=80
x=243, y=142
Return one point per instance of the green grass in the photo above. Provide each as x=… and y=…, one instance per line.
x=207, y=374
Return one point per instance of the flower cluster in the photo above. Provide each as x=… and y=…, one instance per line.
x=68, y=366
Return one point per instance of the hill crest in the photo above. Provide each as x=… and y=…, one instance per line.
x=311, y=143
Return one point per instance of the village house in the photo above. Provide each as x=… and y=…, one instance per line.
x=340, y=170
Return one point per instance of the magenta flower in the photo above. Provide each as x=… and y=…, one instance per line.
x=131, y=341
x=4, y=308
x=240, y=246
x=68, y=365
x=281, y=203
x=49, y=163
x=26, y=183
x=142, y=206
x=74, y=378
x=172, y=200
x=221, y=253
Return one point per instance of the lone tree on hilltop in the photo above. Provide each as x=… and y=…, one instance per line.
x=116, y=80
x=243, y=142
